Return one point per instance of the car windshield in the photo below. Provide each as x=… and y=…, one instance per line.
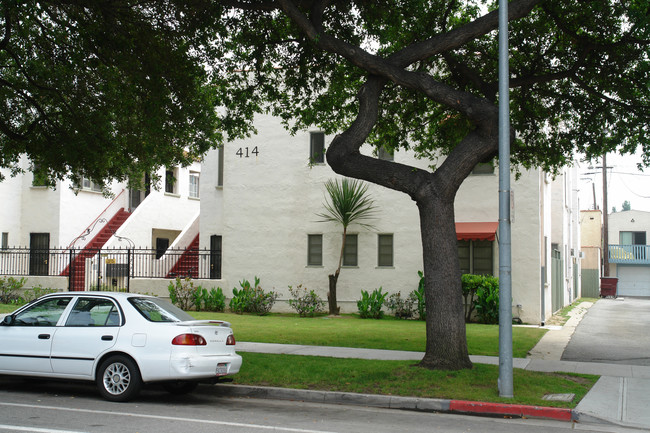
x=158, y=310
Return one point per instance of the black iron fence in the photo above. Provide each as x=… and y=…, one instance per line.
x=112, y=268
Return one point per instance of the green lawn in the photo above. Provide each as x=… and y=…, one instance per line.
x=402, y=378
x=351, y=331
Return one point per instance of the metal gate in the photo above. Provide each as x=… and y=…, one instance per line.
x=94, y=269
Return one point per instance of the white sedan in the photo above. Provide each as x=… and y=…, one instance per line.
x=118, y=340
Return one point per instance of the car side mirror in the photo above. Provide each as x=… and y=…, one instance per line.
x=8, y=320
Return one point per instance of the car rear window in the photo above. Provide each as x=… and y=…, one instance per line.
x=159, y=310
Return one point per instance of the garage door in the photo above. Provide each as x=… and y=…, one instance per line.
x=633, y=280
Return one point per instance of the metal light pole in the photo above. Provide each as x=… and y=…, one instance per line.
x=505, y=274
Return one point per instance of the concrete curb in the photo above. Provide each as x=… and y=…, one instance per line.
x=396, y=402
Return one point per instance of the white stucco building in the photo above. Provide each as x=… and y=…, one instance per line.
x=38, y=224
x=257, y=215
x=261, y=196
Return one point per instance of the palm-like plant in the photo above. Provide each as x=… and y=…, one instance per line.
x=347, y=203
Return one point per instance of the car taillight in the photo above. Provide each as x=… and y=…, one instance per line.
x=189, y=340
x=230, y=341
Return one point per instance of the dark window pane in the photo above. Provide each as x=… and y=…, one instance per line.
x=385, y=250
x=350, y=251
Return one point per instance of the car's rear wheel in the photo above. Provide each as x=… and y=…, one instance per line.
x=118, y=378
x=180, y=387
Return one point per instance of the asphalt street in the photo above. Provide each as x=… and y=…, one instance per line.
x=50, y=407
x=614, y=331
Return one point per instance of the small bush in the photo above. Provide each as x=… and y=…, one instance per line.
x=36, y=292
x=214, y=300
x=8, y=288
x=370, y=304
x=471, y=284
x=487, y=300
x=419, y=295
x=402, y=308
x=181, y=293
x=252, y=299
x=306, y=304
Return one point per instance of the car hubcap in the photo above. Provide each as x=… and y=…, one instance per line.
x=117, y=378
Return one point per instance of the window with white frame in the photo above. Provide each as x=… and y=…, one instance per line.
x=89, y=185
x=5, y=241
x=194, y=184
x=350, y=251
x=385, y=250
x=317, y=147
x=476, y=257
x=314, y=250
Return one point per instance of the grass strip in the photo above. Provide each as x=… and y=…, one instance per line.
x=402, y=378
x=351, y=331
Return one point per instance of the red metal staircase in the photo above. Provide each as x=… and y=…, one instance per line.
x=188, y=264
x=77, y=268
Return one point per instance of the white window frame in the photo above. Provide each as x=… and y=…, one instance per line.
x=195, y=177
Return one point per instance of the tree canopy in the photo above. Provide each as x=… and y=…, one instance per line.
x=102, y=89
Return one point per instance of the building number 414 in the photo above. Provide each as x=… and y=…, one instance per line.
x=244, y=152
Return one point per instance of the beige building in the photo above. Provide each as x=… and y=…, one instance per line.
x=591, y=246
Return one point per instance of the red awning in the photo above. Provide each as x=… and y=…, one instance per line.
x=479, y=231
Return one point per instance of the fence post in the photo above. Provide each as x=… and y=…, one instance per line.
x=70, y=270
x=99, y=269
x=128, y=271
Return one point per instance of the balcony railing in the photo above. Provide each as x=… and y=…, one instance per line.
x=629, y=254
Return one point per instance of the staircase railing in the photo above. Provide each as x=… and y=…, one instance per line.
x=98, y=223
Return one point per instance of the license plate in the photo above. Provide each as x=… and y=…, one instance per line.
x=222, y=369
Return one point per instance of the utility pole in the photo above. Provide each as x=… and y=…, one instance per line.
x=505, y=267
x=605, y=227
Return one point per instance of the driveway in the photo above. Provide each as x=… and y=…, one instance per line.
x=613, y=331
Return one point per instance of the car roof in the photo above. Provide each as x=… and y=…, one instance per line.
x=114, y=295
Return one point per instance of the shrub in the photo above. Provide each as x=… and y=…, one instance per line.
x=8, y=288
x=471, y=284
x=419, y=295
x=306, y=304
x=214, y=300
x=181, y=293
x=252, y=299
x=402, y=308
x=36, y=292
x=370, y=304
x=487, y=300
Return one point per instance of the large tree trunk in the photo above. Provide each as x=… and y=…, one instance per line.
x=446, y=347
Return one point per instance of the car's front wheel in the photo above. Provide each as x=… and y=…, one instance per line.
x=118, y=378
x=179, y=387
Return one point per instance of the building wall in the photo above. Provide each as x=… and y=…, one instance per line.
x=591, y=241
x=11, y=209
x=160, y=213
x=269, y=202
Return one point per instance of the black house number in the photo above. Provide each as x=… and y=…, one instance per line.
x=244, y=152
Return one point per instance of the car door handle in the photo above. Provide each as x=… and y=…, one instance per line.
x=107, y=338
x=43, y=336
